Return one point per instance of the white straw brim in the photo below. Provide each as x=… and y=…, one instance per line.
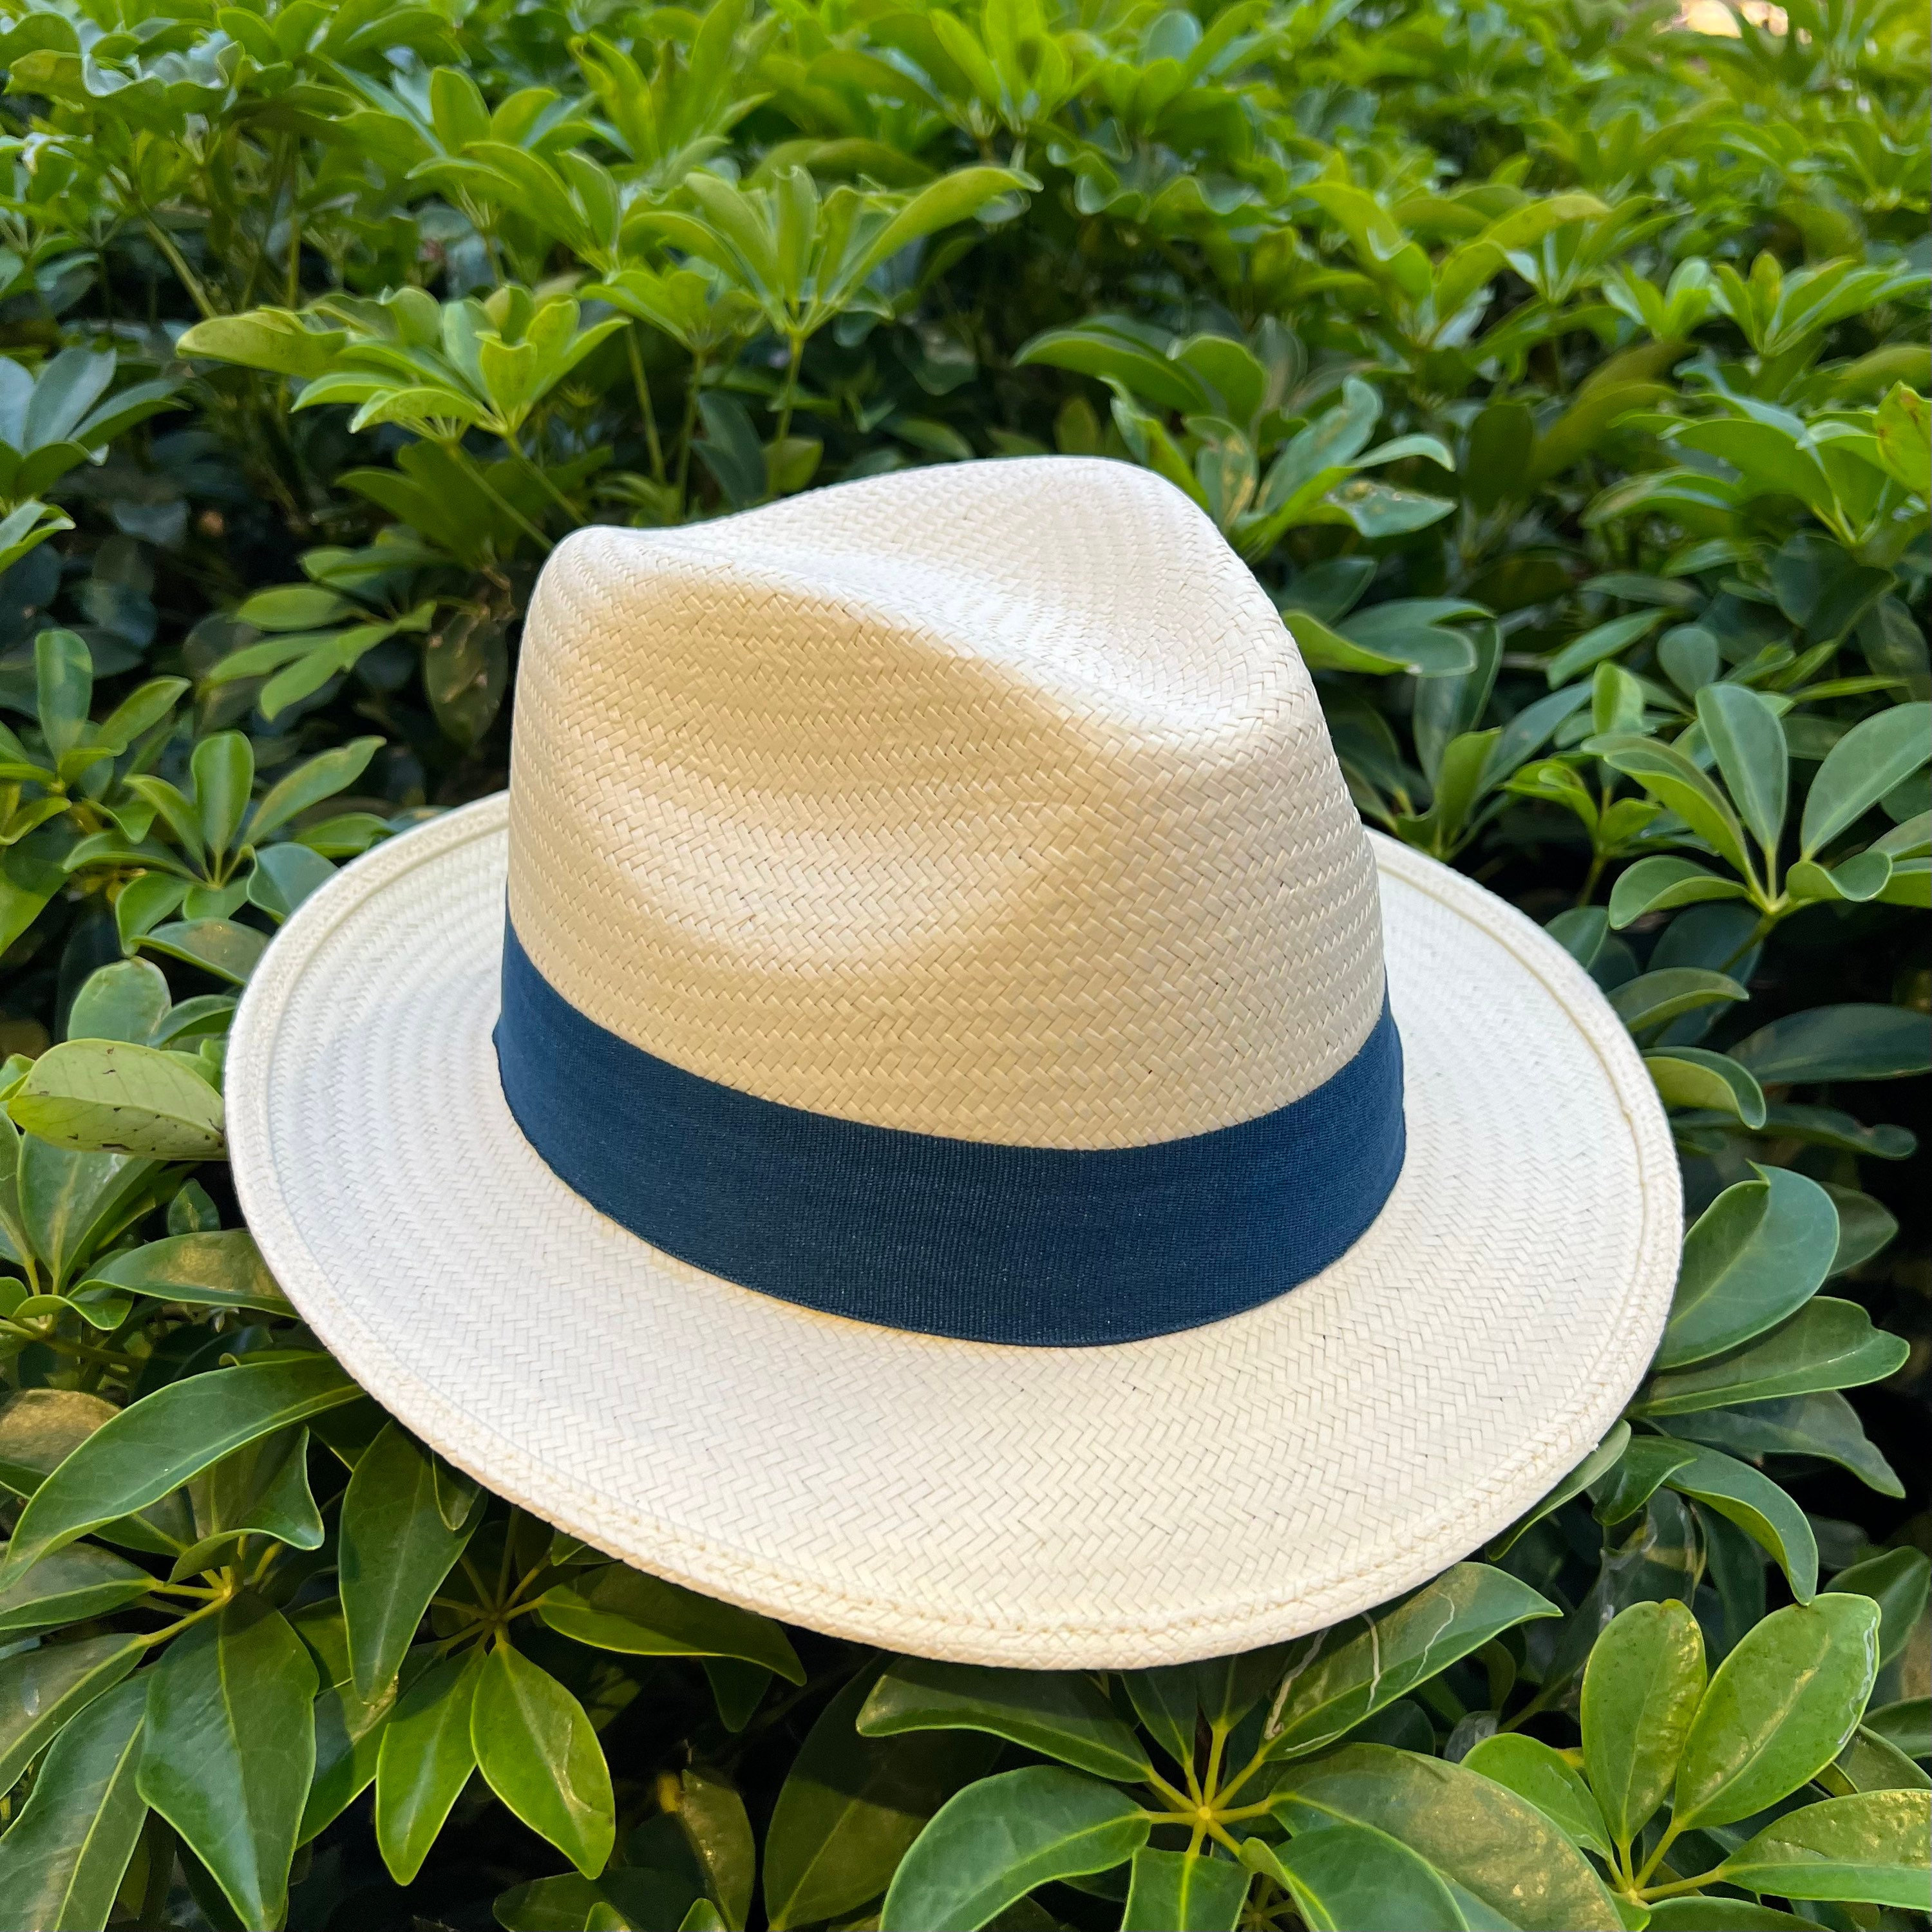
x=1200, y=1493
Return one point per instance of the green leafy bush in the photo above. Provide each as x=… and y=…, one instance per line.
x=1562, y=374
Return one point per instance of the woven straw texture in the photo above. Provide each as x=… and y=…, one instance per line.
x=989, y=801
x=1170, y=1499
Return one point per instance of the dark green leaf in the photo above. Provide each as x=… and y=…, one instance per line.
x=163, y=1440
x=851, y=1805
x=230, y=1750
x=1184, y=1892
x=1897, y=1581
x=41, y=1689
x=1848, y=1043
x=1864, y=764
x=62, y=1858
x=1744, y=733
x=1762, y=1511
x=1348, y=1877
x=81, y=1581
x=999, y=1839
x=211, y=1270
x=712, y=1816
x=1057, y=1713
x=1356, y=1672
x=623, y=1609
x=1828, y=1344
x=395, y=1550
x=1823, y=1423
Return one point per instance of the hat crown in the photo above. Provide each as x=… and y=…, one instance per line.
x=990, y=802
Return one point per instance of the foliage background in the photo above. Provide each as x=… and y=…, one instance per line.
x=1561, y=372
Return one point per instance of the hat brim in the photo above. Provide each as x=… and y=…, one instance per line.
x=1107, y=1508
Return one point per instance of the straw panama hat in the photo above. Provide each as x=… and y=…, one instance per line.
x=962, y=1141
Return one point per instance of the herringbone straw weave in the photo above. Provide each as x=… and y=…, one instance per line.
x=990, y=802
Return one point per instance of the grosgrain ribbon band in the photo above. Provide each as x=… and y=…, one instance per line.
x=1040, y=1245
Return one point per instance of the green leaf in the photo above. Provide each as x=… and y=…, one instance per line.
x=348, y=1726
x=1482, y=1841
x=1641, y=1690
x=224, y=769
x=1780, y=1708
x=1828, y=1344
x=41, y=1689
x=996, y=1840
x=1536, y=1771
x=72, y=1585
x=851, y=1805
x=624, y=1897
x=615, y=1608
x=1348, y=1877
x=424, y=1760
x=1601, y=642
x=230, y=1750
x=1693, y=1076
x=1601, y=1461
x=126, y=1000
x=1401, y=1647
x=1670, y=777
x=1822, y=1424
x=1057, y=1713
x=1867, y=762
x=712, y=1816
x=1655, y=999
x=1846, y=1043
x=1744, y=732
x=108, y=1096
x=218, y=946
x=309, y=784
x=1660, y=884
x=1692, y=1913
x=1762, y=1511
x=1756, y=1255
x=1906, y=1724
x=1869, y=1847
x=1897, y=1581
x=538, y=1754
x=270, y=339
x=397, y=1546
x=63, y=1857
x=1184, y=1892
x=224, y=1269
x=164, y=1439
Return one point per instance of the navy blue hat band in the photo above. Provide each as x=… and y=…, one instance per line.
x=1049, y=1247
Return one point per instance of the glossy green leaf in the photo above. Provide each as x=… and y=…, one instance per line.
x=1755, y=1255
x=1057, y=1713
x=1845, y=1042
x=1631, y=1485
x=1348, y=1877
x=712, y=1816
x=107, y=1096
x=1641, y=1690
x=1780, y=1708
x=161, y=1442
x=1869, y=1847
x=348, y=1726
x=396, y=1547
x=1822, y=1424
x=1357, y=1671
x=261, y=1487
x=1481, y=1839
x=62, y=1858
x=851, y=1805
x=535, y=1748
x=1867, y=762
x=1828, y=1344
x=1655, y=999
x=1674, y=781
x=41, y=1689
x=1537, y=1771
x=1870, y=1762
x=230, y=1749
x=1759, y=1507
x=623, y=1898
x=126, y=1001
x=424, y=1761
x=1907, y=1723
x=224, y=1269
x=616, y=1608
x=81, y=1581
x=997, y=1840
x=1692, y=1913
x=1897, y=1581
x=1601, y=1461
x=1693, y=1076
x=1184, y=1892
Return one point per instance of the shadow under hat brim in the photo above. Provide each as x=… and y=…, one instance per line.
x=1116, y=1506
